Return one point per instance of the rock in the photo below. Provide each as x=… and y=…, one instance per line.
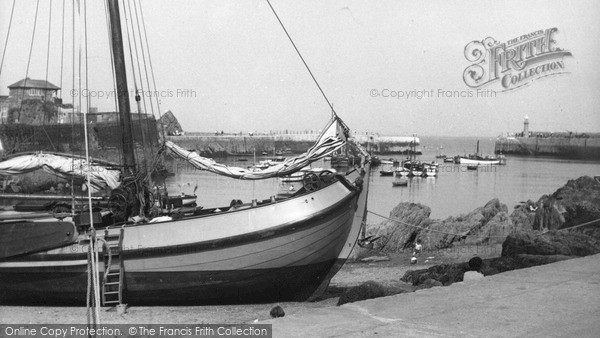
x=446, y=274
x=575, y=203
x=489, y=224
x=170, y=124
x=492, y=232
x=507, y=263
x=397, y=236
x=364, y=291
x=568, y=243
x=277, y=312
x=475, y=227
x=429, y=283
x=397, y=287
x=523, y=216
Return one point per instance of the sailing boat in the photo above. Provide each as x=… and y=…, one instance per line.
x=477, y=159
x=280, y=248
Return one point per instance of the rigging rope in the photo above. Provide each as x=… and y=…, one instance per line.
x=139, y=30
x=92, y=233
x=135, y=86
x=426, y=229
x=137, y=58
x=73, y=103
x=301, y=58
x=62, y=49
x=144, y=122
x=7, y=35
x=48, y=51
x=37, y=6
x=143, y=97
x=46, y=79
x=152, y=70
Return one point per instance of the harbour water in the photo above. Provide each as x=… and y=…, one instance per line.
x=453, y=192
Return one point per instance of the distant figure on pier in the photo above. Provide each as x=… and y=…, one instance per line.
x=474, y=272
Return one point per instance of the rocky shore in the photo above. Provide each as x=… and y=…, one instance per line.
x=563, y=225
x=575, y=204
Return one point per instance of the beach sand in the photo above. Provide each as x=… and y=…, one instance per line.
x=387, y=273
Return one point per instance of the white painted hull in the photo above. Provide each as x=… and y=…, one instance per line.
x=468, y=161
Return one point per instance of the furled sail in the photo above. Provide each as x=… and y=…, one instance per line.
x=332, y=138
x=62, y=166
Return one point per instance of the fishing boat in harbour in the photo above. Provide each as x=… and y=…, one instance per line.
x=403, y=182
x=401, y=171
x=275, y=249
x=430, y=169
x=478, y=159
x=387, y=171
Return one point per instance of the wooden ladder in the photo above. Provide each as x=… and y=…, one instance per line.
x=113, y=281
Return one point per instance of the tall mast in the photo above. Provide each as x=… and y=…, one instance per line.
x=123, y=92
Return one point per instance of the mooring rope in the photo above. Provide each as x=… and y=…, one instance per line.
x=467, y=235
x=580, y=225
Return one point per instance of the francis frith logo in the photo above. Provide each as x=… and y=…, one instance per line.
x=515, y=63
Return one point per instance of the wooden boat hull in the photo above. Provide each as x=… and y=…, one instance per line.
x=273, y=252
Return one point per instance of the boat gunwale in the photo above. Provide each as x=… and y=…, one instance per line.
x=343, y=180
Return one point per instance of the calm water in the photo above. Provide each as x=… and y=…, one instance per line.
x=454, y=191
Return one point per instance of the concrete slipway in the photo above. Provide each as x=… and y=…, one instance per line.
x=561, y=299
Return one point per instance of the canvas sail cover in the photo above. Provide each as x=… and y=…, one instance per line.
x=62, y=166
x=333, y=137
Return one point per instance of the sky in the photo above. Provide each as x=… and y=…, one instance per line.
x=228, y=65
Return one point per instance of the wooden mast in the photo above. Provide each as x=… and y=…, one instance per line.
x=123, y=92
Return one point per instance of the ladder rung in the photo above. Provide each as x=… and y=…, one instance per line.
x=114, y=271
